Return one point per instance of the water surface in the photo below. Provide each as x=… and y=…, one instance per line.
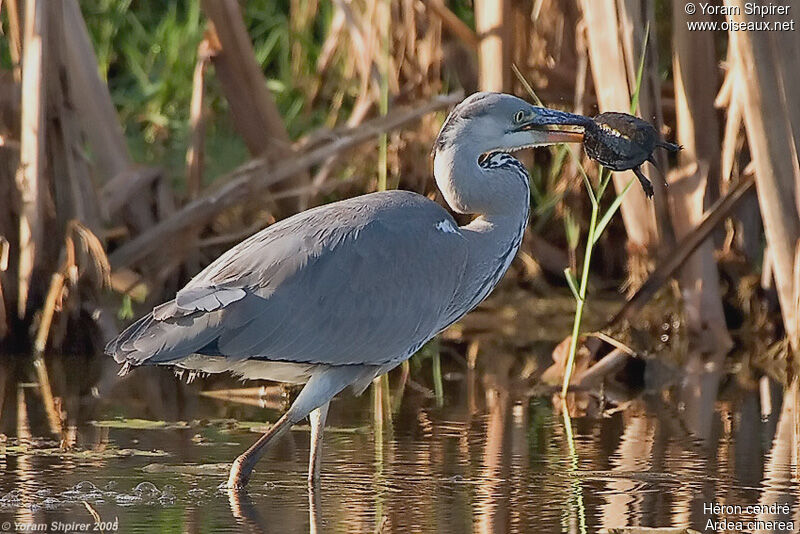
x=495, y=457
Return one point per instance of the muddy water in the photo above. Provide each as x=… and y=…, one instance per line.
x=496, y=457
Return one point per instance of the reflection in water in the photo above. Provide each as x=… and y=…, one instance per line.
x=782, y=461
x=246, y=514
x=492, y=460
x=624, y=504
x=493, y=495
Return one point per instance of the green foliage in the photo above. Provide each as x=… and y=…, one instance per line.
x=593, y=234
x=5, y=54
x=147, y=53
x=125, y=311
x=464, y=9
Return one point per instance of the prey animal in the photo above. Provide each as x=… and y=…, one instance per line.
x=622, y=142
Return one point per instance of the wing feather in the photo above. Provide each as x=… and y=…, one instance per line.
x=362, y=280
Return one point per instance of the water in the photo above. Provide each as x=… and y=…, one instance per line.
x=504, y=466
x=149, y=454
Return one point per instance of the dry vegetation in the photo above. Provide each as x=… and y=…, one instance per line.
x=136, y=145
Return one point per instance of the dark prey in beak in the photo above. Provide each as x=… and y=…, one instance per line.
x=623, y=142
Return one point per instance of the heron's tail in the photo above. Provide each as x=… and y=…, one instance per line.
x=159, y=338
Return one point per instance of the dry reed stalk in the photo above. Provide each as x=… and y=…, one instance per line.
x=331, y=43
x=360, y=47
x=91, y=97
x=786, y=49
x=23, y=423
x=494, y=26
x=773, y=138
x=197, y=116
x=780, y=467
x=639, y=25
x=66, y=277
x=362, y=106
x=747, y=229
x=694, y=67
x=715, y=215
x=452, y=23
x=30, y=175
x=607, y=59
x=4, y=253
x=265, y=397
x=256, y=175
x=99, y=122
x=521, y=36
x=14, y=37
x=733, y=124
x=301, y=18
x=126, y=186
x=51, y=303
x=195, y=154
x=74, y=193
x=252, y=107
x=48, y=400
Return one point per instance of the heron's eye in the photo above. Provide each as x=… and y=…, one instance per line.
x=519, y=116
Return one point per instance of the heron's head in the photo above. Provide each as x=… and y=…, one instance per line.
x=492, y=122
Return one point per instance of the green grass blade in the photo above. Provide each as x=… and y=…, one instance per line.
x=572, y=283
x=605, y=179
x=438, y=386
x=635, y=95
x=612, y=209
x=526, y=85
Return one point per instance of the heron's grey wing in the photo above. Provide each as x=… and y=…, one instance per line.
x=371, y=294
x=361, y=281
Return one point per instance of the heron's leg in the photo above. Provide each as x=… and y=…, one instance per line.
x=317, y=418
x=324, y=383
x=243, y=466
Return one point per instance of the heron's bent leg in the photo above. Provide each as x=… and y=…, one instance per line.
x=324, y=383
x=317, y=418
x=243, y=466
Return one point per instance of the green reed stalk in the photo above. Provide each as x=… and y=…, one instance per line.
x=595, y=231
x=380, y=385
x=383, y=105
x=438, y=386
x=577, y=490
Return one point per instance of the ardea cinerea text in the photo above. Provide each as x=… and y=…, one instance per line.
x=339, y=294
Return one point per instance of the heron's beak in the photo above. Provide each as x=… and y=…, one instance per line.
x=544, y=124
x=551, y=136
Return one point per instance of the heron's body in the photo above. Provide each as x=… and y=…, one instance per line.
x=304, y=300
x=339, y=294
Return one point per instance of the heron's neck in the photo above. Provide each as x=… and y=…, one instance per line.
x=494, y=191
x=498, y=192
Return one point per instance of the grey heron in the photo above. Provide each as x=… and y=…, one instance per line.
x=342, y=293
